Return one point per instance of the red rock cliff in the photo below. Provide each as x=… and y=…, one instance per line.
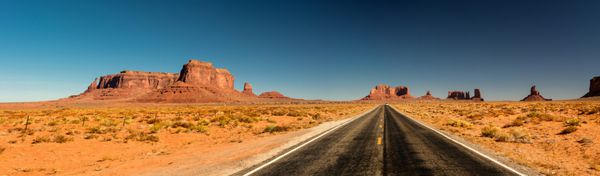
x=594, y=89
x=385, y=92
x=203, y=74
x=137, y=80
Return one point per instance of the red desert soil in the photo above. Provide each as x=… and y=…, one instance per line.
x=553, y=137
x=165, y=139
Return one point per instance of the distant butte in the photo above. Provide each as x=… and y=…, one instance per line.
x=594, y=89
x=385, y=92
x=197, y=82
x=428, y=96
x=461, y=95
x=534, y=95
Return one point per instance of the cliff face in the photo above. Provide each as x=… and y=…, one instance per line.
x=197, y=82
x=203, y=74
x=137, y=80
x=385, y=92
x=594, y=89
x=248, y=89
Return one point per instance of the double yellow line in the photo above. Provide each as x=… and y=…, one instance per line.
x=379, y=135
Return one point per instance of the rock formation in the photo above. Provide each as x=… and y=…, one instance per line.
x=477, y=96
x=460, y=95
x=197, y=82
x=594, y=89
x=385, y=92
x=272, y=95
x=137, y=80
x=535, y=95
x=428, y=96
x=248, y=89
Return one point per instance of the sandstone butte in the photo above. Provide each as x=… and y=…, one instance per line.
x=594, y=88
x=534, y=95
x=197, y=82
x=461, y=95
x=385, y=92
x=428, y=96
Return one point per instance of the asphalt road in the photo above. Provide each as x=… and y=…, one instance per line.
x=382, y=142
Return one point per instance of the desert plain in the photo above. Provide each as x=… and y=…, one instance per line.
x=551, y=137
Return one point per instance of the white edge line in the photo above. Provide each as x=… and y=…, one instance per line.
x=308, y=142
x=465, y=146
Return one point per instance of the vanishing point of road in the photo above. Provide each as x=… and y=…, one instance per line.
x=381, y=142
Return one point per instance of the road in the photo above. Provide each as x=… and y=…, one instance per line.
x=382, y=142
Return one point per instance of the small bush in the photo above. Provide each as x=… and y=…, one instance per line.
x=52, y=123
x=520, y=136
x=246, y=119
x=489, y=131
x=275, y=128
x=2, y=149
x=316, y=116
x=458, y=123
x=142, y=137
x=572, y=122
x=61, y=139
x=182, y=124
x=502, y=137
x=200, y=128
x=40, y=139
x=515, y=123
x=568, y=130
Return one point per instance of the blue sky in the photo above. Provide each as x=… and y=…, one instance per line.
x=334, y=50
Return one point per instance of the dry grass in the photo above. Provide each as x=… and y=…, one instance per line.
x=134, y=128
x=528, y=132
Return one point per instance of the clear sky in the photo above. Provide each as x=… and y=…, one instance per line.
x=306, y=49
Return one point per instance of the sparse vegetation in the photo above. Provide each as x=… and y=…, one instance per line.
x=458, y=123
x=568, y=130
x=554, y=137
x=489, y=131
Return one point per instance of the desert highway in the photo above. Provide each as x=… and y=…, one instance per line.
x=382, y=142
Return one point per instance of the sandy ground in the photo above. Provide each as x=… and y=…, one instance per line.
x=527, y=133
x=155, y=140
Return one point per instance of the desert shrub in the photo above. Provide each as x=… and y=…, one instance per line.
x=182, y=124
x=246, y=119
x=141, y=136
x=568, y=130
x=90, y=136
x=572, y=122
x=585, y=140
x=501, y=137
x=458, y=123
x=520, y=136
x=200, y=128
x=153, y=121
x=275, y=128
x=222, y=120
x=271, y=120
x=316, y=116
x=296, y=113
x=279, y=112
x=40, y=139
x=489, y=131
x=52, y=123
x=2, y=150
x=475, y=116
x=61, y=139
x=515, y=123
